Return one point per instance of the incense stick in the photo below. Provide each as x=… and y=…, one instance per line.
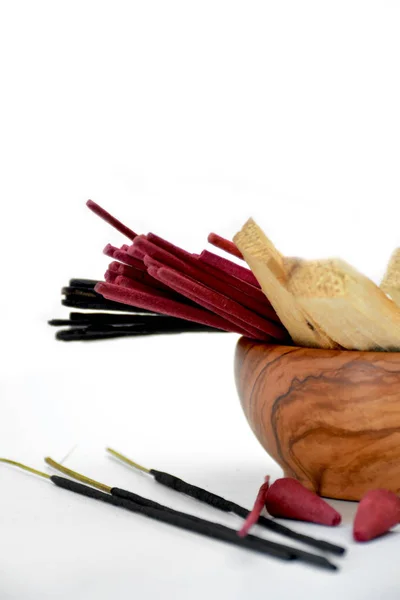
x=226, y=505
x=228, y=266
x=193, y=523
x=90, y=299
x=136, y=274
x=252, y=296
x=208, y=279
x=164, y=306
x=210, y=530
x=256, y=326
x=108, y=218
x=223, y=244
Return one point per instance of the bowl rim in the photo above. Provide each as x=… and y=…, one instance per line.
x=379, y=354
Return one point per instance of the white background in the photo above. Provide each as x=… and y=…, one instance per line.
x=181, y=118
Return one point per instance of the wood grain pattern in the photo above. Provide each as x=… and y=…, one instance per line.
x=330, y=418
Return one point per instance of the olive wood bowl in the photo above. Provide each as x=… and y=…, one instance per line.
x=330, y=418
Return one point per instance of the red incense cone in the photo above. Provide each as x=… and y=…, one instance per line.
x=378, y=511
x=289, y=499
x=254, y=515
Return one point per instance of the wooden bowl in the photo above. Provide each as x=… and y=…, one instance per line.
x=330, y=418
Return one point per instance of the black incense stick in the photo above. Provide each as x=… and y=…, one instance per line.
x=157, y=511
x=223, y=534
x=86, y=283
x=206, y=529
x=129, y=320
x=220, y=503
x=80, y=293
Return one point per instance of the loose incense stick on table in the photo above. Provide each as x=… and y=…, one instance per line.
x=191, y=523
x=146, y=508
x=225, y=505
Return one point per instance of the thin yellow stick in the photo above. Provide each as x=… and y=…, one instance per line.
x=127, y=460
x=78, y=476
x=24, y=467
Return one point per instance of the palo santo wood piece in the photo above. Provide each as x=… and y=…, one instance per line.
x=391, y=281
x=270, y=269
x=346, y=304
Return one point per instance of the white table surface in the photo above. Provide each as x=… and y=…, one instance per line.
x=170, y=403
x=180, y=118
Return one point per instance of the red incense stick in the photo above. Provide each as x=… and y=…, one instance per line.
x=136, y=275
x=201, y=295
x=165, y=245
x=201, y=276
x=226, y=304
x=254, y=298
x=122, y=256
x=108, y=218
x=110, y=276
x=109, y=250
x=149, y=288
x=223, y=244
x=136, y=252
x=216, y=302
x=214, y=260
x=139, y=286
x=127, y=259
x=250, y=296
x=163, y=306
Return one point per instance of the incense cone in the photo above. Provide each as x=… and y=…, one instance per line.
x=378, y=511
x=288, y=498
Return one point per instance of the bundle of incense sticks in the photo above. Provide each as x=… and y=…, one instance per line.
x=279, y=299
x=153, y=275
